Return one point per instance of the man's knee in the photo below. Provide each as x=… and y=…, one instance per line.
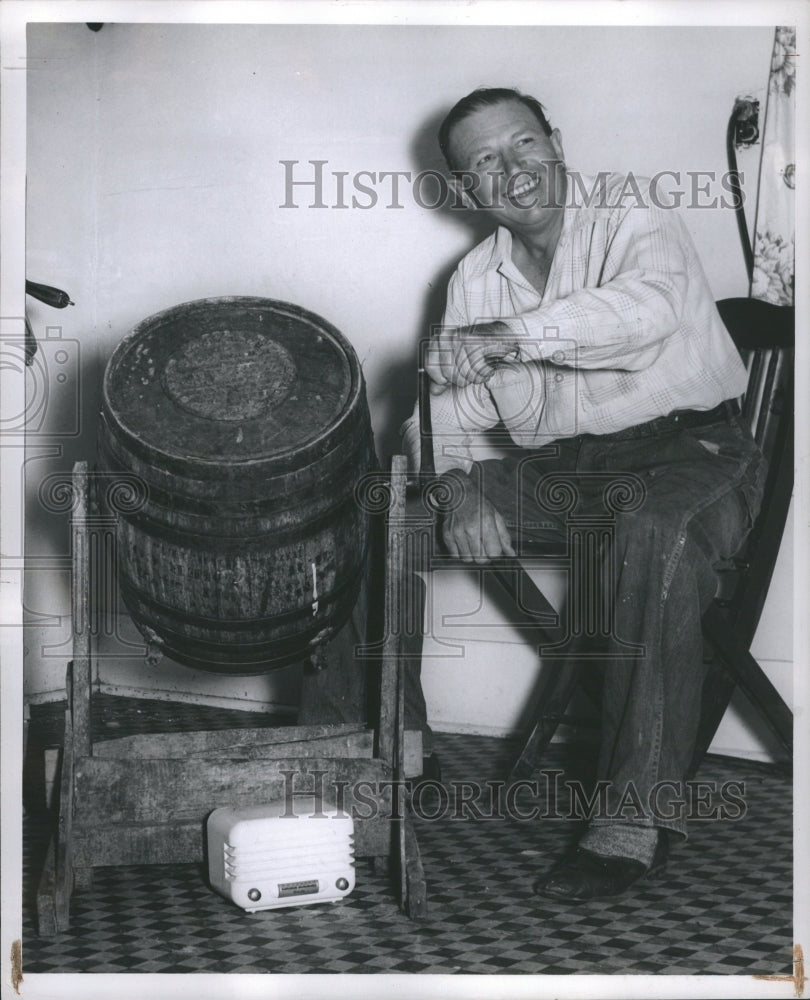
x=651, y=530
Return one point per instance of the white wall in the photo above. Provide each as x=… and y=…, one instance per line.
x=154, y=178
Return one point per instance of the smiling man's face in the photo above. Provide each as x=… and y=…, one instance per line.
x=518, y=170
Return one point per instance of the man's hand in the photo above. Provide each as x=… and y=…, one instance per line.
x=465, y=354
x=475, y=531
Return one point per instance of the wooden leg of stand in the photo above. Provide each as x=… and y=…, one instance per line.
x=46, y=894
x=56, y=886
x=414, y=873
x=63, y=882
x=399, y=775
x=394, y=603
x=56, y=883
x=411, y=882
x=79, y=692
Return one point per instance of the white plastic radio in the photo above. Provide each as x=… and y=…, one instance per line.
x=262, y=859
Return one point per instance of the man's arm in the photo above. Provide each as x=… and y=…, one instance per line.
x=623, y=323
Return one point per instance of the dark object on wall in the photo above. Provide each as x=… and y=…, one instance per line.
x=742, y=131
x=51, y=296
x=30, y=344
x=95, y=25
x=746, y=121
x=246, y=421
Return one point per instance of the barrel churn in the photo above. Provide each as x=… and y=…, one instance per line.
x=246, y=421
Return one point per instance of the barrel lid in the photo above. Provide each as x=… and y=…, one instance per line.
x=230, y=380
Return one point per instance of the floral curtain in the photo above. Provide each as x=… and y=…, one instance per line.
x=775, y=225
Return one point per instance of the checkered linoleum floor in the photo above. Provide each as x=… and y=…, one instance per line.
x=722, y=906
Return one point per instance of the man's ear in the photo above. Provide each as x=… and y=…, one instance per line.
x=460, y=185
x=556, y=142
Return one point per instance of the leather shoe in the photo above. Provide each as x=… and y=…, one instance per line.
x=583, y=875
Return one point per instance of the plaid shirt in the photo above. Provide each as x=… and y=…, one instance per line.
x=625, y=331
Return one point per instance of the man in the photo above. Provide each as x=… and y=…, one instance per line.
x=586, y=325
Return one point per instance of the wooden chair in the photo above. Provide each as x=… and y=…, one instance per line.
x=144, y=799
x=764, y=335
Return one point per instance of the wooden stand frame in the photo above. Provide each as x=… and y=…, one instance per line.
x=144, y=799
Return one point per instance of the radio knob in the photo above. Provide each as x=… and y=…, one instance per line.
x=254, y=895
x=342, y=884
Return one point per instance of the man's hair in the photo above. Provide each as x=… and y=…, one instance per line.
x=486, y=97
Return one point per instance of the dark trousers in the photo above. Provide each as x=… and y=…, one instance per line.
x=664, y=503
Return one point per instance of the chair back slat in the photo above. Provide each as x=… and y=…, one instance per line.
x=763, y=334
x=772, y=393
x=752, y=400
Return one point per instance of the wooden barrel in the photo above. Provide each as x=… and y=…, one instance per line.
x=246, y=421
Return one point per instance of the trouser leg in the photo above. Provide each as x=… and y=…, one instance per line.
x=651, y=702
x=699, y=506
x=701, y=491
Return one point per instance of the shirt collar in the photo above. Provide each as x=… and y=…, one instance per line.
x=502, y=251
